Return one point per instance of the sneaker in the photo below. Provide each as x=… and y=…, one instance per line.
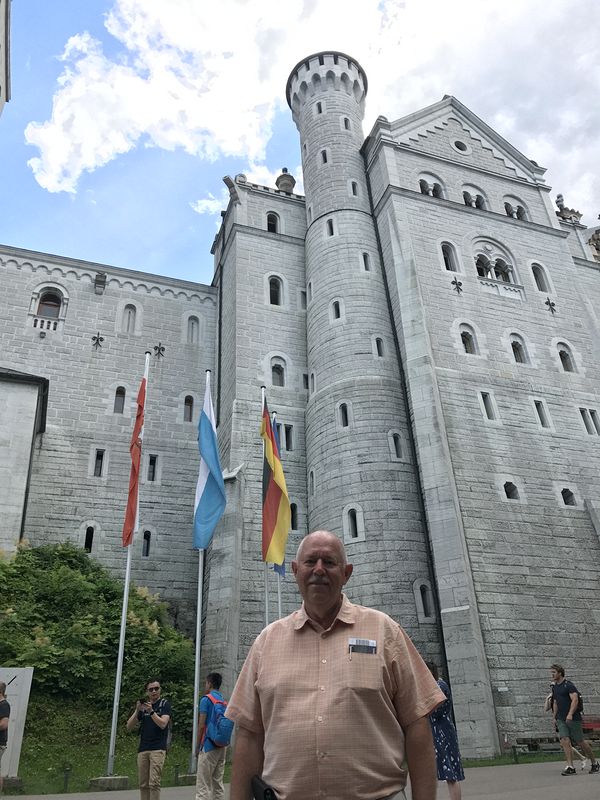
x=573, y=771
x=595, y=767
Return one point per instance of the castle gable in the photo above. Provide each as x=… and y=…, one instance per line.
x=451, y=131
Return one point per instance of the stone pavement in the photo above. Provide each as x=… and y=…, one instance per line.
x=516, y=782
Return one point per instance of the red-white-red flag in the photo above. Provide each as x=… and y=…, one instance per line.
x=135, y=448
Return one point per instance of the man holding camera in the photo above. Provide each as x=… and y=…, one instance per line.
x=152, y=714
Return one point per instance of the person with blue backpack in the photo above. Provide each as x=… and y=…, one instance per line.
x=214, y=734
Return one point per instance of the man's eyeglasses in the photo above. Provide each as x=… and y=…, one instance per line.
x=154, y=688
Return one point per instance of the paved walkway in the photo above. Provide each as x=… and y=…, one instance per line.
x=517, y=782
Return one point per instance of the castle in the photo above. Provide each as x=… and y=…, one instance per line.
x=426, y=325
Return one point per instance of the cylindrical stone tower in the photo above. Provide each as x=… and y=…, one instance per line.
x=361, y=475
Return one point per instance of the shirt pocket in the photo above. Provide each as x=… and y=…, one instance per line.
x=362, y=673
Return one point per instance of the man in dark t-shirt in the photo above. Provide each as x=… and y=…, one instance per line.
x=4, y=717
x=565, y=701
x=152, y=717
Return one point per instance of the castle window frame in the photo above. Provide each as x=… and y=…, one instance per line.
x=337, y=311
x=49, y=304
x=309, y=292
x=273, y=222
x=468, y=339
x=365, y=261
x=566, y=358
x=48, y=307
x=424, y=601
x=193, y=330
x=378, y=346
x=519, y=349
x=344, y=416
x=496, y=270
x=449, y=257
x=353, y=523
x=151, y=471
x=278, y=372
x=473, y=197
x=567, y=495
x=98, y=462
x=353, y=188
x=276, y=295
x=432, y=186
x=511, y=489
x=302, y=299
x=345, y=124
x=329, y=228
x=293, y=516
x=324, y=157
x=489, y=407
x=319, y=107
x=89, y=539
x=119, y=402
x=396, y=445
x=542, y=414
x=129, y=318
x=312, y=383
x=590, y=420
x=188, y=408
x=515, y=208
x=146, y=543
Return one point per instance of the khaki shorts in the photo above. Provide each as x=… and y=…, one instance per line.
x=570, y=730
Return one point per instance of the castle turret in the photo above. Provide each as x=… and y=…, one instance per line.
x=361, y=479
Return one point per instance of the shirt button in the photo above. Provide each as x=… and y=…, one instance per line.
x=319, y=719
x=323, y=661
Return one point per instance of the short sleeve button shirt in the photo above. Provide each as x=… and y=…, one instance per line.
x=333, y=719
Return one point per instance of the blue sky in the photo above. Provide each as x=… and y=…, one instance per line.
x=124, y=118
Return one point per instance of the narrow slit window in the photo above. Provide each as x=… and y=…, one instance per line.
x=193, y=330
x=294, y=516
x=488, y=405
x=312, y=382
x=98, y=463
x=336, y=309
x=346, y=124
x=119, y=404
x=272, y=223
x=587, y=420
x=146, y=544
x=329, y=227
x=309, y=292
x=449, y=257
x=152, y=467
x=468, y=342
x=511, y=491
x=277, y=375
x=324, y=156
x=319, y=108
x=303, y=299
x=344, y=420
x=541, y=413
x=366, y=262
x=540, y=278
x=518, y=350
x=566, y=359
x=289, y=437
x=275, y=293
x=595, y=420
x=426, y=600
x=352, y=524
x=129, y=315
x=305, y=381
x=188, y=408
x=397, y=445
x=89, y=539
x=379, y=347
x=354, y=187
x=311, y=483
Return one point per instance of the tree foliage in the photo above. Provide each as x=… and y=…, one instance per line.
x=60, y=612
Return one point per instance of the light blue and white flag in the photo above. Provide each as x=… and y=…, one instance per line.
x=210, y=491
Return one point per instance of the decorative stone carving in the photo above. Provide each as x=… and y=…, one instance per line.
x=564, y=213
x=594, y=242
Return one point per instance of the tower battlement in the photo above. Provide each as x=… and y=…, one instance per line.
x=322, y=72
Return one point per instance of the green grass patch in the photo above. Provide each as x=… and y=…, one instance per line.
x=533, y=757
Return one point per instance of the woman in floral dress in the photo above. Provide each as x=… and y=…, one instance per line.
x=447, y=755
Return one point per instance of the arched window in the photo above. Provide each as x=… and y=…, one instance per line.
x=352, y=523
x=346, y=124
x=294, y=516
x=467, y=199
x=468, y=339
x=49, y=304
x=521, y=213
x=566, y=357
x=510, y=211
x=119, y=404
x=89, y=539
x=437, y=191
x=568, y=497
x=344, y=417
x=336, y=309
x=539, y=276
x=519, y=349
x=193, y=330
x=511, y=491
x=275, y=292
x=449, y=256
x=379, y=347
x=397, y=445
x=129, y=314
x=272, y=222
x=503, y=271
x=483, y=266
x=146, y=544
x=479, y=201
x=188, y=408
x=277, y=371
x=424, y=187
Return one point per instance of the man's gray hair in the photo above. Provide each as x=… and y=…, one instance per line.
x=342, y=549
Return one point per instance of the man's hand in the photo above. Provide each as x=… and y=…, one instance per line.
x=247, y=762
x=420, y=756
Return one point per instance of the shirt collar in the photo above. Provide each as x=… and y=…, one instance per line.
x=346, y=614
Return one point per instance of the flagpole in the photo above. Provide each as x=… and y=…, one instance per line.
x=197, y=664
x=117, y=692
x=266, y=566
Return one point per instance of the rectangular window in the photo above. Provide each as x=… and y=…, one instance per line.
x=542, y=413
x=595, y=420
x=302, y=299
x=152, y=464
x=305, y=381
x=98, y=463
x=324, y=156
x=289, y=437
x=488, y=405
x=587, y=420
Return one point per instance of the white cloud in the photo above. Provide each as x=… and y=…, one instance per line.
x=209, y=77
x=211, y=204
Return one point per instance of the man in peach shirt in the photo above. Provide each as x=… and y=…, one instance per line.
x=334, y=698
